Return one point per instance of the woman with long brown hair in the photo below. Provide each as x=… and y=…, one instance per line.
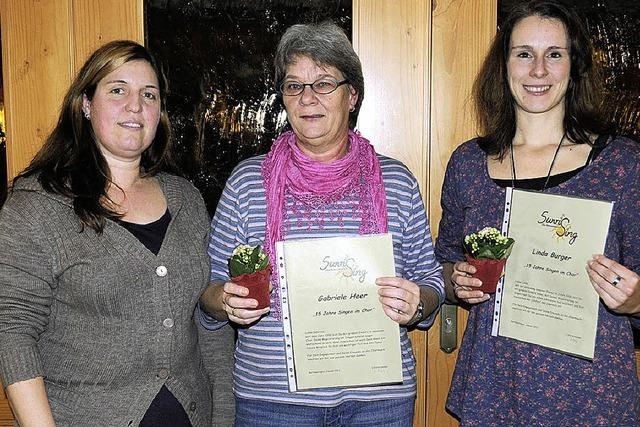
x=103, y=261
x=537, y=103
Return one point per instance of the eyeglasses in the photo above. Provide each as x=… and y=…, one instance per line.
x=322, y=86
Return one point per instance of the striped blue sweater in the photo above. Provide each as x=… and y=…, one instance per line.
x=260, y=368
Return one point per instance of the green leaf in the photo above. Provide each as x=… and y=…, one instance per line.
x=255, y=255
x=263, y=264
x=485, y=253
x=498, y=249
x=236, y=268
x=507, y=251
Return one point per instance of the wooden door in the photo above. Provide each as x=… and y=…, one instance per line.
x=419, y=59
x=462, y=32
x=393, y=43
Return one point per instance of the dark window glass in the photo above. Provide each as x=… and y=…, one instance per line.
x=218, y=57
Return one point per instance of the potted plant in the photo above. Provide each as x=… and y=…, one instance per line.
x=249, y=267
x=487, y=250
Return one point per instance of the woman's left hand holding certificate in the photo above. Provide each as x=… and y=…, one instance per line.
x=399, y=297
x=617, y=286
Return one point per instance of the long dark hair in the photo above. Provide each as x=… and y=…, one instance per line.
x=70, y=162
x=494, y=103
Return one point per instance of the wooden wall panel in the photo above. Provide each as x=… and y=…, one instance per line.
x=6, y=417
x=461, y=33
x=36, y=62
x=392, y=41
x=97, y=22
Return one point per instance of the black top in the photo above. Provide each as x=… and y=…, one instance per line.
x=554, y=180
x=151, y=235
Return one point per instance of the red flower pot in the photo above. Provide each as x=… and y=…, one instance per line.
x=488, y=271
x=258, y=285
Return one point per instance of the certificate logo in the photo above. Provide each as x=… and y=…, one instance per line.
x=346, y=268
x=560, y=227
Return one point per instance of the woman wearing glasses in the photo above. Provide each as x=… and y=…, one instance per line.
x=320, y=179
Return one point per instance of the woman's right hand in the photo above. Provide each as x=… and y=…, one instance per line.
x=465, y=287
x=239, y=308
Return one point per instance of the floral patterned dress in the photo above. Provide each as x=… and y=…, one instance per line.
x=502, y=382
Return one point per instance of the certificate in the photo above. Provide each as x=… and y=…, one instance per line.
x=336, y=333
x=546, y=296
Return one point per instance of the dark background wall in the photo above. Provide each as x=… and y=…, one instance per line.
x=218, y=56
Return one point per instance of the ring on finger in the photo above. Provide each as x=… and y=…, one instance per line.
x=457, y=285
x=615, y=281
x=233, y=311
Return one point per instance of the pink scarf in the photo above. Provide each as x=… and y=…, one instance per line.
x=316, y=186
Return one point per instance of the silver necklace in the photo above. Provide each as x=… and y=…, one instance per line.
x=553, y=161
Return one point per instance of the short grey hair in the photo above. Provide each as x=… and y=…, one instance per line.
x=327, y=45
